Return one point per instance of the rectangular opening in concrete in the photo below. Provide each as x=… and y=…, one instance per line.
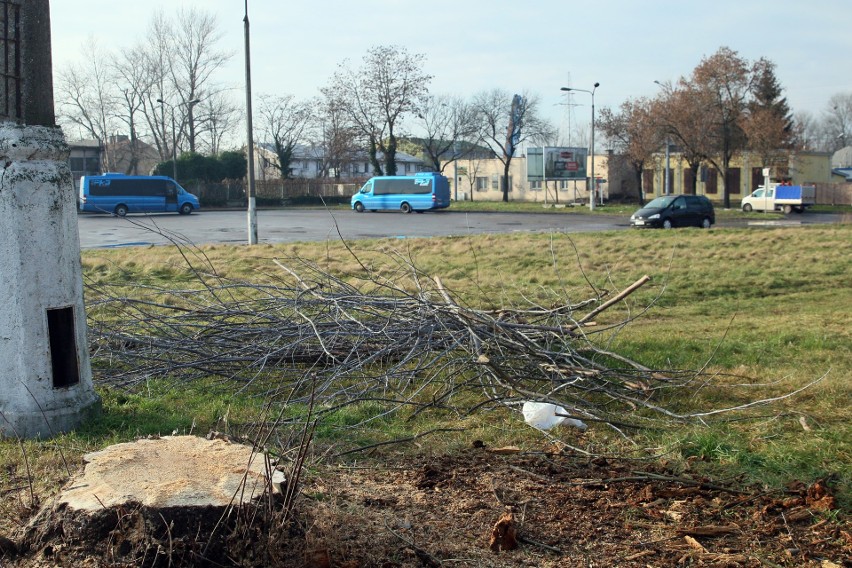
x=63, y=347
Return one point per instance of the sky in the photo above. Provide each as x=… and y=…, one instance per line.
x=475, y=45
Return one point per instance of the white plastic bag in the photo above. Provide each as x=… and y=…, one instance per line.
x=543, y=415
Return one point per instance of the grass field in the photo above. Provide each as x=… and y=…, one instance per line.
x=763, y=312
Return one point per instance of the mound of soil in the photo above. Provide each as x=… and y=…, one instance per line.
x=478, y=507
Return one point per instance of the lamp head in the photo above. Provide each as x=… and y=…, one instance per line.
x=597, y=85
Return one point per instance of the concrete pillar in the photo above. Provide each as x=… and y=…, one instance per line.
x=45, y=374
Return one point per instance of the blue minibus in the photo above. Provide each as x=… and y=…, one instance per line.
x=420, y=192
x=121, y=194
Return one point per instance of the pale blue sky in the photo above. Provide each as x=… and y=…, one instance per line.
x=471, y=45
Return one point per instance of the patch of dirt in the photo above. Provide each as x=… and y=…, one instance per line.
x=475, y=508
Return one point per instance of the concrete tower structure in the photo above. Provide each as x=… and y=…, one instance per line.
x=45, y=374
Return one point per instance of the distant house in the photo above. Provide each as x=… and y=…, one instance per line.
x=84, y=159
x=842, y=158
x=744, y=175
x=481, y=179
x=309, y=162
x=90, y=157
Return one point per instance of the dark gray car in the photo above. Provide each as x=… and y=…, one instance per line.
x=676, y=211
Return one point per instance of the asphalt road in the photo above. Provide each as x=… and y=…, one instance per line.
x=292, y=225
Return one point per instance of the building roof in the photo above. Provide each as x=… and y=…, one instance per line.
x=845, y=172
x=842, y=158
x=84, y=144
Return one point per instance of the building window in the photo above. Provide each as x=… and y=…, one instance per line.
x=495, y=183
x=648, y=181
x=481, y=183
x=711, y=182
x=689, y=181
x=535, y=185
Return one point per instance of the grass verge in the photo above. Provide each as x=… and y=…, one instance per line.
x=769, y=305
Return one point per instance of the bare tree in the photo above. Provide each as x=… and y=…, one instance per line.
x=283, y=121
x=333, y=136
x=807, y=133
x=726, y=78
x=837, y=122
x=633, y=132
x=389, y=84
x=133, y=73
x=217, y=118
x=194, y=60
x=768, y=136
x=506, y=122
x=681, y=113
x=156, y=56
x=88, y=100
x=449, y=124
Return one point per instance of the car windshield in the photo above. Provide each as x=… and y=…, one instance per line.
x=660, y=202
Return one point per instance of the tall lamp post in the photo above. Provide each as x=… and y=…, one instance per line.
x=163, y=105
x=251, y=194
x=667, y=182
x=592, y=145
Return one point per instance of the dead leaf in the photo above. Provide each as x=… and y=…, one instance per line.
x=819, y=498
x=804, y=424
x=504, y=535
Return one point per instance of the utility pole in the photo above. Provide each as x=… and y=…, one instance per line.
x=252, y=207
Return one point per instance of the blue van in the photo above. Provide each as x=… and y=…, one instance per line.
x=420, y=192
x=121, y=194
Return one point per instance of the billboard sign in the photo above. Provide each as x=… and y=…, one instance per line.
x=556, y=163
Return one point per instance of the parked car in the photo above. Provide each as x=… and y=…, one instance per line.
x=675, y=211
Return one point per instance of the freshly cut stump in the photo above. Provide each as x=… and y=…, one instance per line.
x=170, y=501
x=172, y=471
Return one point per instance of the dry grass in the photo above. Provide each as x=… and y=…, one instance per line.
x=768, y=304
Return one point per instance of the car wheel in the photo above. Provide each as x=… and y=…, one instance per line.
x=747, y=207
x=667, y=223
x=788, y=209
x=359, y=207
x=405, y=208
x=185, y=209
x=705, y=223
x=120, y=210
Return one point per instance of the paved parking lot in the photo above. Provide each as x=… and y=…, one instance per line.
x=293, y=225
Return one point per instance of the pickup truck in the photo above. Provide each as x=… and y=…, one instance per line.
x=786, y=198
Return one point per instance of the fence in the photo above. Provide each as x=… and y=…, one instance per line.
x=273, y=192
x=834, y=193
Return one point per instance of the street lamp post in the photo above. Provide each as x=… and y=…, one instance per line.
x=666, y=182
x=456, y=169
x=163, y=105
x=251, y=194
x=592, y=145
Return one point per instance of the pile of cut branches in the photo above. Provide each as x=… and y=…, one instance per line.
x=312, y=340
